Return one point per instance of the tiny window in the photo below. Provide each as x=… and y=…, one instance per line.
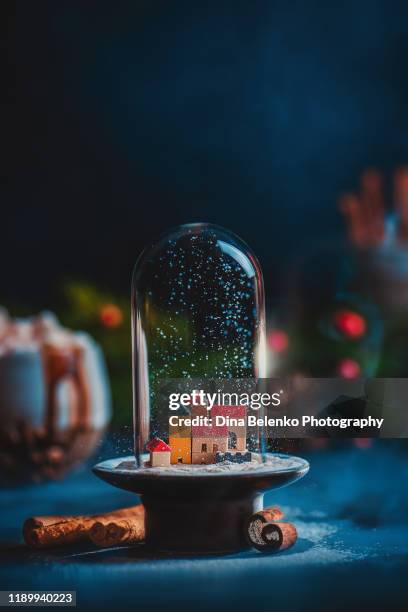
x=203, y=448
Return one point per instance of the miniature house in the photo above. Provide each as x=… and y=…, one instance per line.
x=207, y=440
x=180, y=442
x=159, y=453
x=237, y=432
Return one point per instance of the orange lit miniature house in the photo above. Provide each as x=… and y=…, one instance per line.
x=180, y=442
x=159, y=453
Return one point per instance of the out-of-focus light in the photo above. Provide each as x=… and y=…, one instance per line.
x=278, y=340
x=317, y=443
x=363, y=442
x=348, y=368
x=350, y=323
x=110, y=315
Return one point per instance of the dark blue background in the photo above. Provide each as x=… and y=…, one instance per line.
x=135, y=116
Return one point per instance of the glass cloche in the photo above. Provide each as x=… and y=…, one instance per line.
x=198, y=324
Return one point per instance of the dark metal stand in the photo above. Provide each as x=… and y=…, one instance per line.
x=199, y=514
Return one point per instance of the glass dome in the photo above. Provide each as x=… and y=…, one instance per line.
x=197, y=319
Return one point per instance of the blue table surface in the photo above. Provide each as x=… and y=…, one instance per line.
x=351, y=512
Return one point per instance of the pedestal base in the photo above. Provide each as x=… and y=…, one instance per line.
x=199, y=513
x=199, y=526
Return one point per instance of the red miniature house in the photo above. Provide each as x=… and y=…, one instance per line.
x=237, y=428
x=159, y=453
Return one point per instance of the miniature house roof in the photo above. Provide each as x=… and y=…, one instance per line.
x=158, y=445
x=214, y=431
x=234, y=412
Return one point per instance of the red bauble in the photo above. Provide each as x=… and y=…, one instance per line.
x=278, y=340
x=348, y=368
x=350, y=323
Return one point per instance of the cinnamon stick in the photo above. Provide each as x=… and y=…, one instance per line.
x=277, y=536
x=267, y=533
x=47, y=531
x=256, y=522
x=128, y=530
x=274, y=513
